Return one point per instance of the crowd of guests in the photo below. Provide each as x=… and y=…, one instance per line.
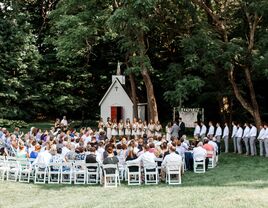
x=63, y=144
x=242, y=135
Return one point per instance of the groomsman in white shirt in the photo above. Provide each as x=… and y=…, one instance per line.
x=203, y=131
x=261, y=138
x=225, y=136
x=196, y=130
x=234, y=131
x=252, y=135
x=239, y=135
x=218, y=135
x=266, y=140
x=211, y=130
x=246, y=137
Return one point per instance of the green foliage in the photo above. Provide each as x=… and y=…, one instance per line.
x=12, y=123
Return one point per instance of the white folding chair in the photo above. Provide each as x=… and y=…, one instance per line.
x=40, y=173
x=54, y=173
x=199, y=166
x=93, y=173
x=173, y=173
x=3, y=168
x=25, y=171
x=13, y=169
x=122, y=170
x=159, y=163
x=80, y=172
x=111, y=175
x=211, y=160
x=66, y=173
x=134, y=173
x=150, y=173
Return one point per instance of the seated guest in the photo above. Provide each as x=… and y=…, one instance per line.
x=35, y=152
x=71, y=154
x=208, y=148
x=92, y=157
x=170, y=159
x=21, y=153
x=80, y=153
x=212, y=142
x=110, y=159
x=200, y=154
x=44, y=157
x=56, y=155
x=131, y=156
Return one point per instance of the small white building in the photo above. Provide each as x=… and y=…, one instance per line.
x=116, y=103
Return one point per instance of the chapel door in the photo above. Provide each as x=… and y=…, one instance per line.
x=117, y=113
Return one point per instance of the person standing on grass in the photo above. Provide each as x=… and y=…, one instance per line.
x=246, y=137
x=239, y=135
x=218, y=135
x=225, y=136
x=234, y=131
x=252, y=135
x=196, y=130
x=175, y=130
x=266, y=139
x=182, y=128
x=261, y=138
x=203, y=130
x=211, y=130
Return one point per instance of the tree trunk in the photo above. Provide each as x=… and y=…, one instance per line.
x=152, y=105
x=133, y=95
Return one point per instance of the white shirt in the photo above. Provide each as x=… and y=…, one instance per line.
x=239, y=132
x=172, y=158
x=147, y=158
x=265, y=136
x=64, y=122
x=234, y=131
x=211, y=130
x=43, y=158
x=246, y=132
x=196, y=130
x=218, y=131
x=203, y=130
x=225, y=131
x=65, y=150
x=199, y=153
x=261, y=134
x=253, y=131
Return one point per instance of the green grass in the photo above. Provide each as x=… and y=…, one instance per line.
x=238, y=181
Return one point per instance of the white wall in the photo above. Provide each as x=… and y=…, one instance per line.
x=117, y=98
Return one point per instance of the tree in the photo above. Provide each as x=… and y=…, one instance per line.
x=238, y=47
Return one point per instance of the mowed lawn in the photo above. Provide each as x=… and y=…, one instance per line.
x=238, y=181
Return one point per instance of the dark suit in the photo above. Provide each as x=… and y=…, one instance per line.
x=182, y=129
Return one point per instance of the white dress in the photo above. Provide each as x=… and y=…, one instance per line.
x=109, y=130
x=145, y=130
x=121, y=129
x=127, y=129
x=158, y=130
x=134, y=129
x=168, y=133
x=151, y=129
x=114, y=130
x=139, y=129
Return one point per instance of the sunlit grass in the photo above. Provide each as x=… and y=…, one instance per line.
x=238, y=181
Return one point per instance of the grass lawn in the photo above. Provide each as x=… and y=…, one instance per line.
x=238, y=181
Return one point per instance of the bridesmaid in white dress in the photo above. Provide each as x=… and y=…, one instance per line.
x=145, y=128
x=109, y=128
x=139, y=128
x=151, y=128
x=121, y=128
x=134, y=127
x=114, y=128
x=101, y=125
x=158, y=128
x=127, y=128
x=168, y=131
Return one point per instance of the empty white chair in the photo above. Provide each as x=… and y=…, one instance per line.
x=66, y=173
x=80, y=172
x=13, y=169
x=3, y=168
x=111, y=175
x=93, y=173
x=54, y=172
x=173, y=173
x=133, y=173
x=25, y=171
x=199, y=166
x=151, y=173
x=40, y=173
